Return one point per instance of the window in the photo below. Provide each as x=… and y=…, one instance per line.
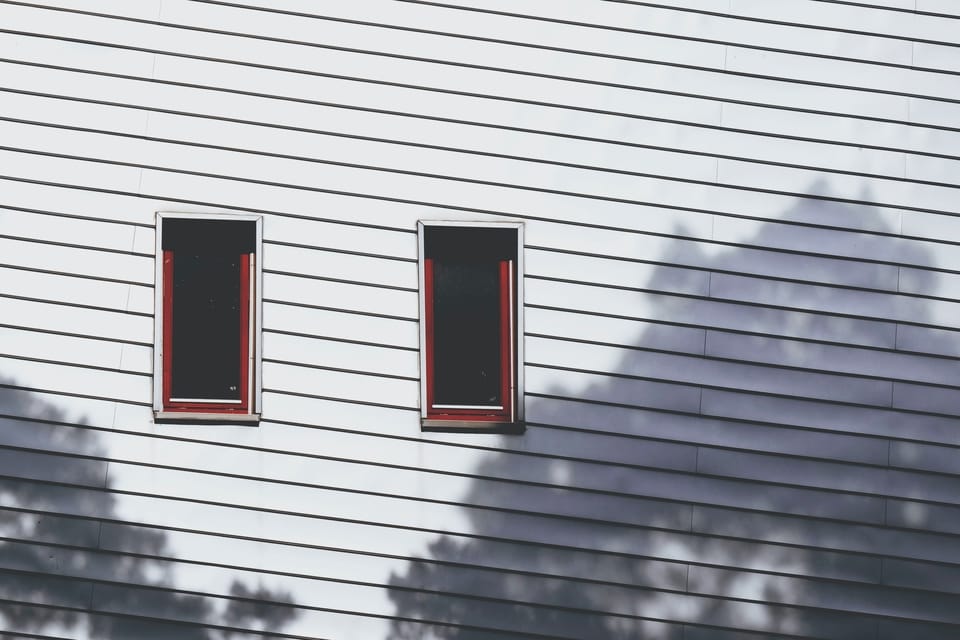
x=206, y=357
x=471, y=329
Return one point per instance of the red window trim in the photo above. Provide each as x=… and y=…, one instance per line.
x=247, y=321
x=507, y=351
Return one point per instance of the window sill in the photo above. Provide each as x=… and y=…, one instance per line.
x=186, y=417
x=472, y=426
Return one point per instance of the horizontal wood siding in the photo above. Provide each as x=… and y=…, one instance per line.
x=742, y=327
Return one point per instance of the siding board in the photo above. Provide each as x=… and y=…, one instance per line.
x=740, y=319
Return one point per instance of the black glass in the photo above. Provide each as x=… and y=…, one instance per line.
x=206, y=326
x=466, y=333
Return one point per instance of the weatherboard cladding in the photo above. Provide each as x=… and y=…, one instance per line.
x=740, y=319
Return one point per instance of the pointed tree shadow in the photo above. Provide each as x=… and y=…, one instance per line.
x=599, y=549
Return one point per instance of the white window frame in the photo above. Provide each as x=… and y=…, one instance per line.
x=433, y=424
x=256, y=330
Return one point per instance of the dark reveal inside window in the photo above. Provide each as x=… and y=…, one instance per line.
x=207, y=298
x=469, y=308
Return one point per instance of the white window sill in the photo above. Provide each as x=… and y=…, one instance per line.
x=187, y=417
x=474, y=426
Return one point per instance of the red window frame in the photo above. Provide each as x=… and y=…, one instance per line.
x=247, y=346
x=507, y=320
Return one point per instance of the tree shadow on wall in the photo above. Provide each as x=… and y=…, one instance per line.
x=56, y=512
x=658, y=513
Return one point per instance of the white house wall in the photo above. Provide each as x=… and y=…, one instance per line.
x=741, y=319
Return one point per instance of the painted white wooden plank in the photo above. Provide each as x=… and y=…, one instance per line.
x=642, y=393
x=930, y=340
x=403, y=99
x=621, y=273
x=92, y=382
x=829, y=241
x=64, y=53
x=56, y=406
x=644, y=76
x=454, y=193
x=629, y=242
x=835, y=358
x=824, y=183
x=344, y=34
x=934, y=113
x=52, y=287
x=394, y=510
x=660, y=18
x=339, y=265
x=296, y=529
x=341, y=355
x=881, y=306
x=77, y=260
x=711, y=313
x=933, y=169
x=458, y=173
x=339, y=384
x=825, y=535
x=100, y=353
x=854, y=598
x=464, y=136
x=31, y=166
x=813, y=473
x=935, y=227
x=934, y=283
x=24, y=224
x=129, y=601
x=567, y=324
x=341, y=235
x=364, y=442
x=449, y=77
x=265, y=471
x=772, y=237
x=612, y=421
x=338, y=295
x=147, y=9
x=852, y=420
x=351, y=121
x=694, y=370
x=271, y=557
x=91, y=322
x=121, y=209
x=428, y=103
x=72, y=113
x=570, y=152
x=848, y=129
x=938, y=6
x=855, y=75
x=444, y=20
x=337, y=324
x=925, y=398
x=831, y=15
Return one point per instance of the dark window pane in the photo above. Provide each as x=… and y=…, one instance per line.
x=206, y=325
x=463, y=244
x=201, y=236
x=466, y=333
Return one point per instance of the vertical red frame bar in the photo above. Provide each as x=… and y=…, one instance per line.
x=428, y=330
x=244, y=333
x=506, y=339
x=167, y=346
x=246, y=280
